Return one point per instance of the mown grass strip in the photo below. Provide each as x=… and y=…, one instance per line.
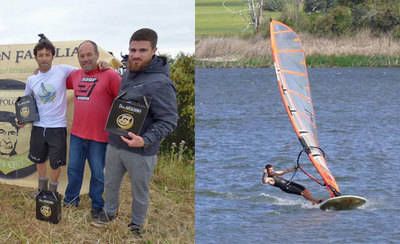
x=312, y=61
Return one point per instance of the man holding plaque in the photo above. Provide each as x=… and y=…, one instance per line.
x=147, y=76
x=94, y=91
x=49, y=134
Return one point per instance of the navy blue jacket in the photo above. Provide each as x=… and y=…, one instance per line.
x=154, y=83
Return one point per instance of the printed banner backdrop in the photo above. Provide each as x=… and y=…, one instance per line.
x=16, y=64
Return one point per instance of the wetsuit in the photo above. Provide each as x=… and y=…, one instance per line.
x=289, y=187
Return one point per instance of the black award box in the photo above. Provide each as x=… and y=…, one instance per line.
x=26, y=109
x=48, y=206
x=127, y=115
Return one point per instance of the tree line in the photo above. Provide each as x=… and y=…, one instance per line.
x=339, y=17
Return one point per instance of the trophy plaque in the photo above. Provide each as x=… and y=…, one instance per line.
x=26, y=109
x=48, y=206
x=127, y=116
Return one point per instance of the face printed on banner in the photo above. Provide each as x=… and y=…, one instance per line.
x=140, y=55
x=44, y=59
x=8, y=138
x=87, y=56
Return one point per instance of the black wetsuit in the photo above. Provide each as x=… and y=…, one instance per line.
x=289, y=187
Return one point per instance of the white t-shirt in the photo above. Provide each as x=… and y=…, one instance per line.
x=50, y=93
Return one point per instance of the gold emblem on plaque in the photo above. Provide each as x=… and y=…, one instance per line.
x=45, y=211
x=24, y=111
x=125, y=121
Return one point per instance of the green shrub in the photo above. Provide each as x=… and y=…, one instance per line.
x=338, y=17
x=396, y=32
x=274, y=5
x=360, y=16
x=182, y=73
x=385, y=20
x=312, y=6
x=336, y=22
x=322, y=25
x=293, y=16
x=342, y=20
x=351, y=3
x=264, y=29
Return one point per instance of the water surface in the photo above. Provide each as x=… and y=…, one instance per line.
x=241, y=125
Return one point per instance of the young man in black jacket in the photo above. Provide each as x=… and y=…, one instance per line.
x=147, y=75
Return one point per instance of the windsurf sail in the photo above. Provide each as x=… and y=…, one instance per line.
x=291, y=71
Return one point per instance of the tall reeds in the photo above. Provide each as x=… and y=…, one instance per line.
x=241, y=51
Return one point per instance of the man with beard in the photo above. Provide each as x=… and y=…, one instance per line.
x=147, y=76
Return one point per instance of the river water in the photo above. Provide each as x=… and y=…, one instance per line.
x=241, y=125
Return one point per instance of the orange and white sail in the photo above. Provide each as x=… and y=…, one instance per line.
x=294, y=87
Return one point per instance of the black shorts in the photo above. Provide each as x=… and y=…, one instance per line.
x=294, y=188
x=48, y=143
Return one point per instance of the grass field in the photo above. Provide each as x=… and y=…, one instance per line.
x=219, y=17
x=223, y=18
x=170, y=217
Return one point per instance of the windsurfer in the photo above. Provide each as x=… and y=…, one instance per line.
x=274, y=178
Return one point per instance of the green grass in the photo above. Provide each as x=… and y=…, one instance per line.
x=253, y=62
x=175, y=173
x=224, y=18
x=212, y=18
x=312, y=61
x=352, y=61
x=170, y=217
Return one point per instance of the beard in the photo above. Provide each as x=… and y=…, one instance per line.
x=137, y=65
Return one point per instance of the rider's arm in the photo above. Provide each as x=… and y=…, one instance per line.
x=282, y=172
x=263, y=179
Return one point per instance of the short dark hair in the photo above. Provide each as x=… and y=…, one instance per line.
x=96, y=49
x=44, y=44
x=268, y=166
x=9, y=117
x=145, y=34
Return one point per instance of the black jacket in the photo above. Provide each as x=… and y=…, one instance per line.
x=161, y=120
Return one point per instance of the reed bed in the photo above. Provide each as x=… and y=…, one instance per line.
x=362, y=45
